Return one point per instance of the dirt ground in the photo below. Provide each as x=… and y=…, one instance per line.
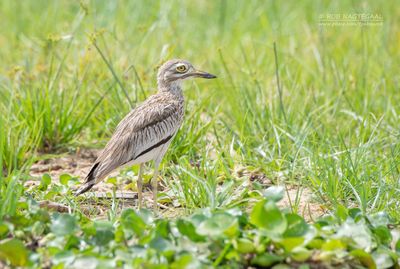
x=79, y=163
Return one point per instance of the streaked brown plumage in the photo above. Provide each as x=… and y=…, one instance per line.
x=146, y=132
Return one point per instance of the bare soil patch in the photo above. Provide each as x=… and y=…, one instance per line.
x=79, y=163
x=75, y=164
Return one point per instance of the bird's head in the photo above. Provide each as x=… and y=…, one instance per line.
x=174, y=71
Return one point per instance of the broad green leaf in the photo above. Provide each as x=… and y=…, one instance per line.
x=45, y=182
x=266, y=259
x=3, y=229
x=160, y=244
x=364, y=257
x=86, y=263
x=64, y=178
x=104, y=233
x=383, y=234
x=72, y=242
x=296, y=226
x=196, y=219
x=185, y=261
x=301, y=254
x=355, y=213
x=14, y=251
x=244, y=245
x=282, y=266
x=131, y=221
x=379, y=219
x=382, y=259
x=188, y=229
x=316, y=243
x=274, y=193
x=112, y=180
x=162, y=228
x=38, y=228
x=65, y=257
x=220, y=224
x=146, y=215
x=357, y=232
x=333, y=244
x=267, y=215
x=289, y=243
x=89, y=229
x=341, y=212
x=397, y=247
x=119, y=234
x=63, y=224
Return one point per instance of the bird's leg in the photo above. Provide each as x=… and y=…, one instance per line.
x=154, y=185
x=140, y=185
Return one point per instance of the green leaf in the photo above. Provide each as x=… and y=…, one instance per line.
x=86, y=262
x=64, y=178
x=14, y=251
x=131, y=221
x=71, y=242
x=397, y=247
x=185, y=261
x=357, y=232
x=355, y=213
x=3, y=229
x=382, y=259
x=341, y=212
x=266, y=215
x=296, y=226
x=188, y=229
x=301, y=254
x=146, y=215
x=112, y=180
x=244, y=245
x=198, y=218
x=316, y=243
x=162, y=228
x=266, y=259
x=274, y=193
x=333, y=244
x=63, y=224
x=290, y=243
x=379, y=219
x=160, y=244
x=119, y=234
x=383, y=234
x=65, y=257
x=364, y=257
x=220, y=224
x=38, y=228
x=45, y=182
x=104, y=233
x=281, y=266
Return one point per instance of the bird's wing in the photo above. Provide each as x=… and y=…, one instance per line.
x=154, y=121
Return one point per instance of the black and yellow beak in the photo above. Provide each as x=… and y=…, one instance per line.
x=202, y=74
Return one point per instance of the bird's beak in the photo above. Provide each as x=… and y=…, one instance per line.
x=202, y=74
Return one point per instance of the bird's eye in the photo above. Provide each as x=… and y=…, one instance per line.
x=181, y=68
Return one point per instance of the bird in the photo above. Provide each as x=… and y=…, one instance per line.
x=146, y=132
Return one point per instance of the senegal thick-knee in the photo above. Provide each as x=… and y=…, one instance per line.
x=146, y=132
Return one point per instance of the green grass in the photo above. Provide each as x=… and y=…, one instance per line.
x=69, y=71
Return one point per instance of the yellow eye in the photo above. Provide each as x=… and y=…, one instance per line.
x=181, y=68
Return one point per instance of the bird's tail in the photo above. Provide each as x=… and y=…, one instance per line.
x=84, y=188
x=89, y=182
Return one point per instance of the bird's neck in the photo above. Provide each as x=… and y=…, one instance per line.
x=172, y=87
